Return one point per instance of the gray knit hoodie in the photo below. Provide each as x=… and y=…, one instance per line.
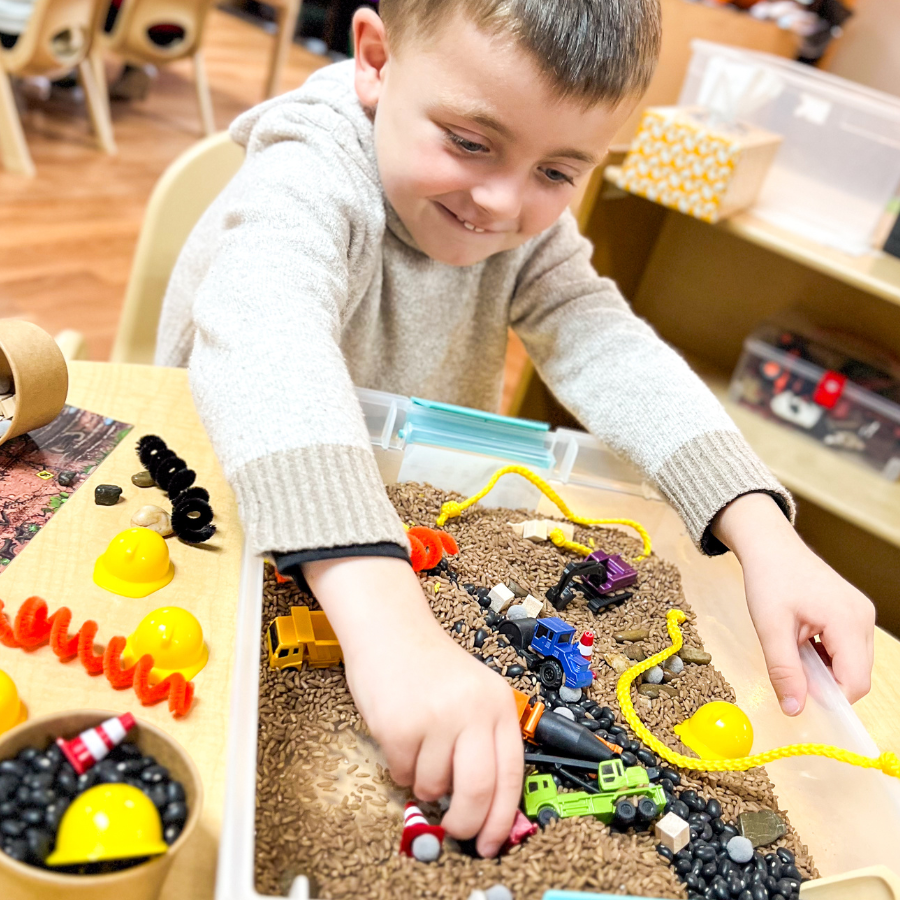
x=300, y=281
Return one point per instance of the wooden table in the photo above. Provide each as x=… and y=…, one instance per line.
x=58, y=562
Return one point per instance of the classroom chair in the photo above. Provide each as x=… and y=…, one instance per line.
x=286, y=14
x=134, y=39
x=56, y=40
x=180, y=197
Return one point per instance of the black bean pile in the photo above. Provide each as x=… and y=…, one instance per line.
x=37, y=787
x=327, y=809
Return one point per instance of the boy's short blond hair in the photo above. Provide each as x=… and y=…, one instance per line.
x=592, y=50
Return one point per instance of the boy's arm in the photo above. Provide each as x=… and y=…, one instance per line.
x=792, y=596
x=629, y=388
x=266, y=369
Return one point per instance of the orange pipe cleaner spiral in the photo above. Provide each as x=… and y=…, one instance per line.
x=33, y=628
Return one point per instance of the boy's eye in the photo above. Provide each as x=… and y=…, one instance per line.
x=465, y=144
x=557, y=177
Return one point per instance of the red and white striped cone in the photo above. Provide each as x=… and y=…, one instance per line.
x=92, y=745
x=586, y=645
x=416, y=826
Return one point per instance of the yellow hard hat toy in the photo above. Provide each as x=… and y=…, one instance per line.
x=174, y=638
x=106, y=822
x=12, y=709
x=718, y=730
x=136, y=563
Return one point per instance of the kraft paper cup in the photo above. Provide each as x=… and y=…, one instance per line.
x=38, y=370
x=19, y=881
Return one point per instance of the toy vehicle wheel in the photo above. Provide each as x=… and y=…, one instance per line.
x=547, y=815
x=551, y=673
x=646, y=810
x=625, y=814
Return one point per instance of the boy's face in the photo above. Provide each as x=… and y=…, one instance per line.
x=476, y=152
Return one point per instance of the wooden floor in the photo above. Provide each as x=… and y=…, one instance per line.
x=68, y=235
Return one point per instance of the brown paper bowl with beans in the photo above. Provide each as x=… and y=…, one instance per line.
x=19, y=881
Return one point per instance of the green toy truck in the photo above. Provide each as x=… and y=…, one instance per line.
x=626, y=797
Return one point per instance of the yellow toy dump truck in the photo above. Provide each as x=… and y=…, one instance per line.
x=304, y=634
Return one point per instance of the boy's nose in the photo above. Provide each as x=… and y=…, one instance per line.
x=500, y=198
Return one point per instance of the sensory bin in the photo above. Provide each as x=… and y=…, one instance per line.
x=327, y=809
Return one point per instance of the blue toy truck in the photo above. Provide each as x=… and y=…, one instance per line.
x=553, y=640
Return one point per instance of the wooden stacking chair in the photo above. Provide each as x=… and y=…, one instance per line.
x=286, y=15
x=130, y=39
x=180, y=198
x=56, y=40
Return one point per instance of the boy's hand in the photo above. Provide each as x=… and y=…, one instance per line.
x=445, y=722
x=792, y=596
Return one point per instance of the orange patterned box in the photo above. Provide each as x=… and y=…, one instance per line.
x=682, y=159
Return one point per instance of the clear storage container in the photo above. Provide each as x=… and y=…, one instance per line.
x=844, y=396
x=849, y=816
x=839, y=164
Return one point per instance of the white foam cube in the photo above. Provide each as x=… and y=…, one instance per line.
x=535, y=530
x=516, y=527
x=673, y=832
x=533, y=606
x=500, y=596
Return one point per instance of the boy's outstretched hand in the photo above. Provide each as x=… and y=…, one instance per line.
x=445, y=722
x=792, y=596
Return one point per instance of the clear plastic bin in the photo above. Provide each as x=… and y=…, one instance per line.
x=839, y=164
x=849, y=816
x=852, y=406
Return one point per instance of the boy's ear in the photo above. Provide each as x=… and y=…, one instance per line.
x=371, y=53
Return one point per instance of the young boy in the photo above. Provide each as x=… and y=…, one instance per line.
x=393, y=217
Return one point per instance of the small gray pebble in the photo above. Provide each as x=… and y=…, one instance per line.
x=569, y=695
x=498, y=892
x=107, y=494
x=740, y=849
x=66, y=479
x=426, y=848
x=517, y=612
x=654, y=675
x=478, y=895
x=675, y=664
x=565, y=712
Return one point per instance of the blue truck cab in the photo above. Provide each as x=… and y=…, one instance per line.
x=555, y=641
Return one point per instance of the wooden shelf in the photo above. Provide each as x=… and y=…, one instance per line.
x=812, y=471
x=875, y=273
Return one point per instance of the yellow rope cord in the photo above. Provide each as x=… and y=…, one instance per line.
x=451, y=509
x=886, y=762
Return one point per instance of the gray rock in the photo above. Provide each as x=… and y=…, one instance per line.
x=516, y=588
x=565, y=712
x=675, y=664
x=426, y=848
x=695, y=655
x=635, y=634
x=66, y=479
x=654, y=675
x=517, y=612
x=498, y=892
x=761, y=827
x=142, y=479
x=569, y=695
x=740, y=849
x=107, y=494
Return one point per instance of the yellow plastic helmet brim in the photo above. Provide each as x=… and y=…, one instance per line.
x=134, y=589
x=157, y=674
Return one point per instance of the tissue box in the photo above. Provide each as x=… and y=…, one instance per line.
x=682, y=160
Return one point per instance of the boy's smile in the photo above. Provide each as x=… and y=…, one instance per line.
x=477, y=151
